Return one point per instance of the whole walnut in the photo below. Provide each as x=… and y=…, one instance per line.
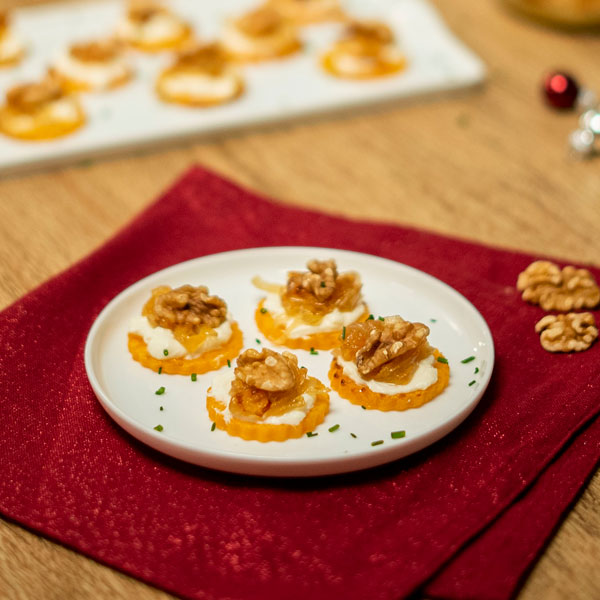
x=573, y=332
x=545, y=284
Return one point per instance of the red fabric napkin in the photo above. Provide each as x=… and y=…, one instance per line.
x=465, y=517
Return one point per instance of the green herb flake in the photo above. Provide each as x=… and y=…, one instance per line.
x=464, y=361
x=160, y=391
x=377, y=443
x=442, y=360
x=381, y=318
x=353, y=435
x=363, y=407
x=213, y=426
x=159, y=370
x=257, y=341
x=472, y=383
x=311, y=434
x=229, y=363
x=371, y=317
x=159, y=428
x=162, y=408
x=476, y=370
x=166, y=352
x=322, y=284
x=396, y=435
x=313, y=352
x=433, y=320
x=344, y=333
x=194, y=377
x=263, y=310
x=333, y=428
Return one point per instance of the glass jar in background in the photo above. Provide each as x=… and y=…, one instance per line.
x=569, y=13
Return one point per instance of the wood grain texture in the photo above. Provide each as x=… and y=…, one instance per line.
x=489, y=165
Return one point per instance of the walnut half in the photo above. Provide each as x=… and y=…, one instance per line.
x=320, y=279
x=267, y=370
x=187, y=305
x=545, y=284
x=572, y=332
x=397, y=337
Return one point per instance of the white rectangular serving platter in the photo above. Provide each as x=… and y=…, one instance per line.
x=284, y=89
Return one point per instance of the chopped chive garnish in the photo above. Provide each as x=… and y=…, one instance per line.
x=311, y=434
x=213, y=426
x=433, y=320
x=396, y=435
x=159, y=428
x=363, y=407
x=472, y=383
x=476, y=370
x=344, y=333
x=166, y=352
x=229, y=363
x=159, y=370
x=257, y=341
x=322, y=284
x=464, y=361
x=353, y=435
x=377, y=443
x=263, y=310
x=313, y=351
x=194, y=376
x=162, y=408
x=442, y=360
x=371, y=317
x=381, y=318
x=160, y=391
x=333, y=428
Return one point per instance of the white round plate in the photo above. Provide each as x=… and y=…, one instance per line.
x=127, y=390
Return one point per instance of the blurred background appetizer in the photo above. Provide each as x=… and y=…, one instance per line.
x=260, y=34
x=12, y=48
x=312, y=309
x=303, y=12
x=152, y=27
x=183, y=331
x=366, y=49
x=388, y=364
x=267, y=398
x=40, y=111
x=93, y=66
x=200, y=76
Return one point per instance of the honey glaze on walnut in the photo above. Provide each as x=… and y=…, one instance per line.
x=312, y=294
x=189, y=312
x=267, y=384
x=387, y=351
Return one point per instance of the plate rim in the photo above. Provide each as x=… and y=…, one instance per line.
x=274, y=465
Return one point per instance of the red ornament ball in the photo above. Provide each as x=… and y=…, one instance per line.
x=561, y=90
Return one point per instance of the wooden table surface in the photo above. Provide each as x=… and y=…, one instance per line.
x=489, y=165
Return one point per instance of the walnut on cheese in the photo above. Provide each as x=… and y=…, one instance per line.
x=29, y=97
x=573, y=332
x=267, y=370
x=397, y=337
x=320, y=279
x=260, y=22
x=545, y=284
x=187, y=305
x=96, y=51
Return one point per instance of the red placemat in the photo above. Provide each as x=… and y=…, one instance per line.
x=465, y=517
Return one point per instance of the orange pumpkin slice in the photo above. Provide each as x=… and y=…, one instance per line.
x=208, y=361
x=276, y=333
x=360, y=394
x=269, y=432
